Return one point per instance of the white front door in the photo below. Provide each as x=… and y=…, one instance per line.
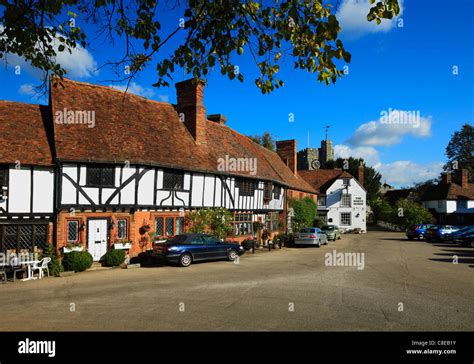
x=97, y=238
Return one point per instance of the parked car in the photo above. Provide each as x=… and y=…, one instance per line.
x=439, y=232
x=185, y=249
x=332, y=232
x=311, y=236
x=466, y=238
x=454, y=235
x=417, y=231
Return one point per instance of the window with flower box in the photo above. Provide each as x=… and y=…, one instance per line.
x=72, y=231
x=122, y=229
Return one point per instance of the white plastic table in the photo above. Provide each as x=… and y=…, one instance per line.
x=29, y=264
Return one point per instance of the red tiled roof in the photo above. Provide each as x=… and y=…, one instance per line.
x=132, y=128
x=449, y=191
x=23, y=135
x=322, y=179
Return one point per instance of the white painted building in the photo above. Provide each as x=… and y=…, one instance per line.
x=341, y=198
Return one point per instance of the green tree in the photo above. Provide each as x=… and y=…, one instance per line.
x=210, y=34
x=265, y=140
x=216, y=221
x=305, y=213
x=372, y=178
x=382, y=210
x=460, y=153
x=407, y=212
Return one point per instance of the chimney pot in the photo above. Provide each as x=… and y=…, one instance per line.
x=217, y=118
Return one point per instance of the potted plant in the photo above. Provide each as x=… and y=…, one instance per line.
x=144, y=229
x=73, y=247
x=123, y=244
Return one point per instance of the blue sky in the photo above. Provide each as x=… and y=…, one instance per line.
x=402, y=68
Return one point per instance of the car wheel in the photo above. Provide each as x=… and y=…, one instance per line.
x=232, y=255
x=185, y=260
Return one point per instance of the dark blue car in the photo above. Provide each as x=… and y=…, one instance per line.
x=417, y=231
x=188, y=248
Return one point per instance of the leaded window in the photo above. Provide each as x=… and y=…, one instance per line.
x=267, y=191
x=276, y=191
x=179, y=225
x=122, y=229
x=23, y=237
x=173, y=180
x=100, y=176
x=243, y=224
x=272, y=221
x=72, y=231
x=169, y=226
x=246, y=187
x=159, y=226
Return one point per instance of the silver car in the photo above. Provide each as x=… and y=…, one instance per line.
x=311, y=236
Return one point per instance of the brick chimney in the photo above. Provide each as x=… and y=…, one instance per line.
x=360, y=174
x=191, y=109
x=464, y=178
x=446, y=178
x=286, y=149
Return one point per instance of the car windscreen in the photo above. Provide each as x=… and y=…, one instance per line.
x=327, y=227
x=307, y=231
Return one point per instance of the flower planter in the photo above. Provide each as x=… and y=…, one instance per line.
x=73, y=249
x=122, y=245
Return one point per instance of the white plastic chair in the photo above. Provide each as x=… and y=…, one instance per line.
x=42, y=265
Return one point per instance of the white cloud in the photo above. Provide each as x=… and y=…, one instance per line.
x=78, y=64
x=27, y=89
x=369, y=154
x=352, y=17
x=135, y=88
x=391, y=128
x=163, y=97
x=407, y=173
x=398, y=173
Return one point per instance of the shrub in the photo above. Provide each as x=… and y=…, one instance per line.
x=305, y=212
x=55, y=266
x=77, y=261
x=114, y=258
